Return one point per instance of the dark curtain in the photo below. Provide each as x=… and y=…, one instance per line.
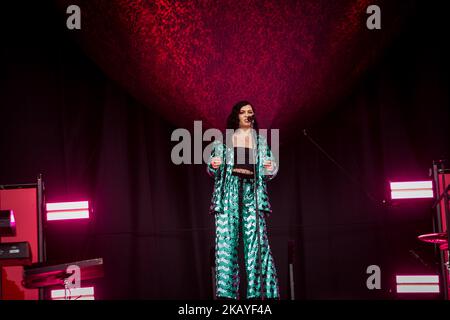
x=62, y=117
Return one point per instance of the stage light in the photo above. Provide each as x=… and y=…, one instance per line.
x=67, y=210
x=13, y=220
x=75, y=205
x=417, y=284
x=412, y=190
x=73, y=294
x=7, y=223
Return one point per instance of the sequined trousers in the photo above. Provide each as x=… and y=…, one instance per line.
x=240, y=213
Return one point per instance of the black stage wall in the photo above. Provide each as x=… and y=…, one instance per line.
x=62, y=117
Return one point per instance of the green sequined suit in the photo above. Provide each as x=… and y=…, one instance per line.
x=234, y=206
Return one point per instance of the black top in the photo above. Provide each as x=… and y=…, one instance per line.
x=243, y=158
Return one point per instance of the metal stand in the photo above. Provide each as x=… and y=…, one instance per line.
x=42, y=254
x=446, y=252
x=291, y=269
x=67, y=288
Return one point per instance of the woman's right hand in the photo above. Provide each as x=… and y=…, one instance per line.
x=216, y=162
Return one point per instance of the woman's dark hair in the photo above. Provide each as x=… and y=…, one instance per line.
x=233, y=118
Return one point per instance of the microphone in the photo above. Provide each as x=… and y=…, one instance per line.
x=251, y=118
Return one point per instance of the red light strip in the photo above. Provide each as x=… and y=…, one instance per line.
x=418, y=284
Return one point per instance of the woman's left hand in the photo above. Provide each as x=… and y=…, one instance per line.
x=268, y=165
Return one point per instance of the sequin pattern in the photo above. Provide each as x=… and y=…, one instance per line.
x=234, y=206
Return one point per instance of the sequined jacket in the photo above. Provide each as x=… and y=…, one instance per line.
x=222, y=175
